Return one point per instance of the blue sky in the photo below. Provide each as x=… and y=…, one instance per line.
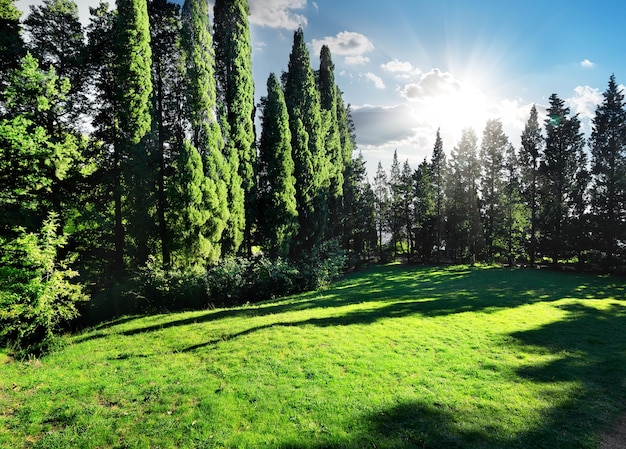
x=410, y=67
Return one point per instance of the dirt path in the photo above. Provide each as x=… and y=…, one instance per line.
x=616, y=438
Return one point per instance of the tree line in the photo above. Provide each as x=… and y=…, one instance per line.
x=558, y=199
x=134, y=139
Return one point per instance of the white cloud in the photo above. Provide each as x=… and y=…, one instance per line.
x=377, y=80
x=353, y=46
x=277, y=13
x=357, y=60
x=397, y=66
x=587, y=64
x=432, y=84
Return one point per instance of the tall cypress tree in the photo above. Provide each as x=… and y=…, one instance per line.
x=134, y=119
x=332, y=139
x=307, y=143
x=235, y=86
x=608, y=167
x=559, y=169
x=278, y=220
x=206, y=135
x=529, y=160
x=167, y=74
x=381, y=205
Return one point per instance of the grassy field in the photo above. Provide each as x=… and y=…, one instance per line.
x=396, y=357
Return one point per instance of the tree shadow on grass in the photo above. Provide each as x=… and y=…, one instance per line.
x=402, y=291
x=590, y=350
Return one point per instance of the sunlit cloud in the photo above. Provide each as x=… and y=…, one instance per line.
x=352, y=46
x=587, y=64
x=377, y=80
x=434, y=83
x=278, y=13
x=397, y=66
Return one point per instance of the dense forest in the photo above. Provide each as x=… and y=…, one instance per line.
x=137, y=173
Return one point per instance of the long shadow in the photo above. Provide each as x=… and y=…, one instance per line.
x=430, y=291
x=591, y=348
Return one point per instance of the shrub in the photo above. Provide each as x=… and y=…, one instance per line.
x=36, y=294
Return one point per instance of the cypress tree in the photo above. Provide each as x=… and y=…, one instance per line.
x=235, y=86
x=134, y=119
x=332, y=139
x=307, y=143
x=278, y=222
x=206, y=135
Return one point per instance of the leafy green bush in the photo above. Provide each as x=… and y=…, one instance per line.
x=36, y=294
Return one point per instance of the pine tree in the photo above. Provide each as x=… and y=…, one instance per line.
x=360, y=219
x=608, y=167
x=559, y=170
x=278, y=221
x=381, y=205
x=133, y=108
x=56, y=39
x=332, y=139
x=407, y=205
x=439, y=174
x=11, y=43
x=492, y=151
x=395, y=211
x=206, y=135
x=514, y=213
x=529, y=160
x=465, y=238
x=311, y=167
x=235, y=92
x=425, y=211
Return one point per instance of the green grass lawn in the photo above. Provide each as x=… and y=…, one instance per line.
x=396, y=357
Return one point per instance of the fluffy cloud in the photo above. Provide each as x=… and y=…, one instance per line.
x=377, y=80
x=397, y=66
x=277, y=13
x=353, y=46
x=431, y=84
x=379, y=125
x=587, y=64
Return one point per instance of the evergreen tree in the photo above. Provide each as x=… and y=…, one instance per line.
x=492, y=151
x=560, y=167
x=235, y=91
x=360, y=219
x=103, y=207
x=334, y=151
x=205, y=132
x=307, y=143
x=395, y=211
x=347, y=138
x=11, y=43
x=464, y=236
x=608, y=167
x=439, y=174
x=167, y=75
x=529, y=160
x=425, y=210
x=278, y=221
x=514, y=214
x=407, y=199
x=133, y=108
x=56, y=39
x=381, y=205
